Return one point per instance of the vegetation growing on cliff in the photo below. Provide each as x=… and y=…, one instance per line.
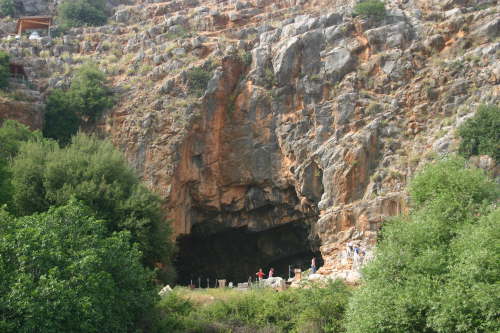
x=7, y=8
x=437, y=269
x=4, y=69
x=370, y=8
x=76, y=13
x=481, y=134
x=84, y=102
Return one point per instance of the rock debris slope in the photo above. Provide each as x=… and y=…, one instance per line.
x=309, y=113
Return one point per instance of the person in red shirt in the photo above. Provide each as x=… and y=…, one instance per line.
x=260, y=274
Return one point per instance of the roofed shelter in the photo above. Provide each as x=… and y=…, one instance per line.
x=33, y=22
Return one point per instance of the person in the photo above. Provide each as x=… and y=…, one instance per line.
x=260, y=274
x=271, y=272
x=313, y=265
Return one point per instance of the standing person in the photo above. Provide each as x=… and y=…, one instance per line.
x=271, y=272
x=313, y=265
x=260, y=274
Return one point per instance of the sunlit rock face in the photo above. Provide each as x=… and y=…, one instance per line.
x=310, y=115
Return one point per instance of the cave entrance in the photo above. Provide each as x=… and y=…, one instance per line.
x=235, y=254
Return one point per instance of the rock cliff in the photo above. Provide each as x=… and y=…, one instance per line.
x=310, y=114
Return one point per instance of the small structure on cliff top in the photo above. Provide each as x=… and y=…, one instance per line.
x=34, y=23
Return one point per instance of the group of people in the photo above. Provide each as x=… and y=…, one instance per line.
x=260, y=274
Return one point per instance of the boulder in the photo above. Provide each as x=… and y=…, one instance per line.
x=286, y=60
x=338, y=63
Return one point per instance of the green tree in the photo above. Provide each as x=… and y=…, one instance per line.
x=85, y=101
x=63, y=272
x=76, y=13
x=4, y=69
x=481, y=134
x=12, y=135
x=61, y=121
x=404, y=287
x=370, y=8
x=7, y=8
x=93, y=171
x=89, y=94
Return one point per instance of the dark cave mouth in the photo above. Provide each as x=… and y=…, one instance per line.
x=235, y=254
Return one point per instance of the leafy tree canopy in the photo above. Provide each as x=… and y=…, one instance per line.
x=12, y=134
x=7, y=8
x=62, y=271
x=433, y=270
x=93, y=171
x=370, y=8
x=481, y=134
x=76, y=13
x=86, y=100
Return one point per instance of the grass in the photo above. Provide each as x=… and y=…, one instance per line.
x=311, y=309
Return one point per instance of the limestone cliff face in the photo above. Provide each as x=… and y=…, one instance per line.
x=310, y=114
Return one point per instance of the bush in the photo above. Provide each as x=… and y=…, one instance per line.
x=61, y=121
x=12, y=135
x=197, y=80
x=76, y=13
x=7, y=8
x=89, y=94
x=63, y=272
x=293, y=310
x=4, y=69
x=94, y=172
x=481, y=134
x=370, y=8
x=85, y=101
x=423, y=277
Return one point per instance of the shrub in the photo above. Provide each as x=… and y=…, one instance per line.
x=7, y=8
x=75, y=13
x=481, y=134
x=423, y=277
x=12, y=135
x=62, y=271
x=370, y=8
x=61, y=121
x=197, y=80
x=88, y=94
x=85, y=101
x=293, y=310
x=4, y=69
x=94, y=172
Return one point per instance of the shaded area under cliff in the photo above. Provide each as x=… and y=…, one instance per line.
x=235, y=254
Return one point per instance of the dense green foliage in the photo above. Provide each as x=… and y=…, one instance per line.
x=76, y=13
x=61, y=121
x=93, y=171
x=62, y=271
x=436, y=270
x=370, y=8
x=4, y=69
x=294, y=310
x=197, y=80
x=481, y=134
x=12, y=135
x=89, y=94
x=7, y=8
x=85, y=101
